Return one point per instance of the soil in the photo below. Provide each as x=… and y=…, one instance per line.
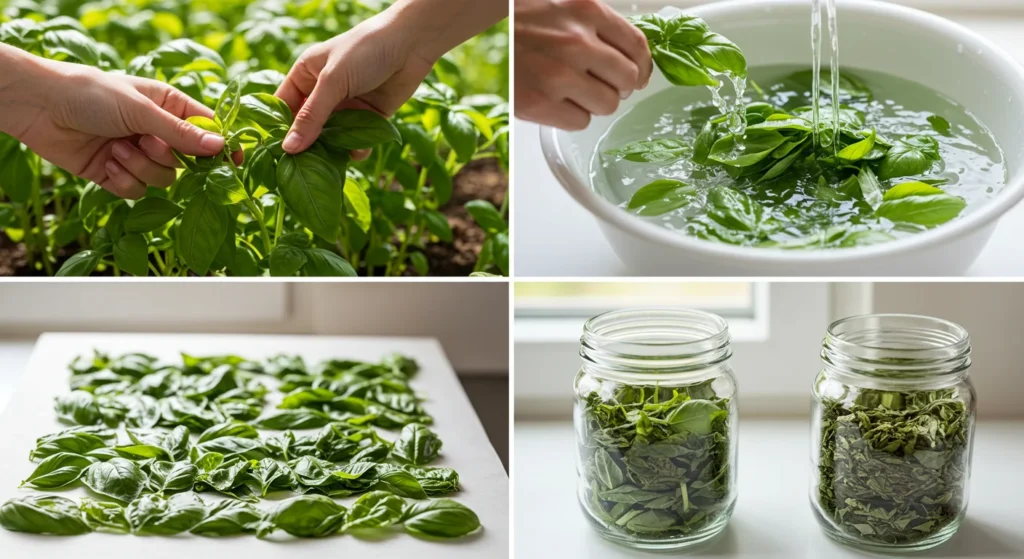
x=479, y=180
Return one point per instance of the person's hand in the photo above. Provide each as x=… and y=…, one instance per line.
x=372, y=67
x=114, y=130
x=575, y=59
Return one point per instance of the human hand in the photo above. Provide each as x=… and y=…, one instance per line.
x=372, y=67
x=575, y=59
x=114, y=130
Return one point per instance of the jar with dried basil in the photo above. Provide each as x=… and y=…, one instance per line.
x=894, y=413
x=655, y=420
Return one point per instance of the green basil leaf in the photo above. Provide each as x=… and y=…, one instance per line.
x=461, y=133
x=417, y=444
x=229, y=429
x=661, y=197
x=919, y=203
x=267, y=111
x=324, y=263
x=117, y=478
x=150, y=214
x=182, y=52
x=654, y=151
x=165, y=516
x=286, y=261
x=104, y=517
x=437, y=224
x=229, y=518
x=859, y=150
x=300, y=418
x=376, y=509
x=171, y=477
x=910, y=156
x=308, y=516
x=58, y=470
x=131, y=253
x=443, y=518
x=224, y=187
x=201, y=232
x=312, y=190
x=43, y=514
x=80, y=264
x=357, y=129
x=487, y=216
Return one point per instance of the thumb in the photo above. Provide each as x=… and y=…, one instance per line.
x=179, y=134
x=310, y=119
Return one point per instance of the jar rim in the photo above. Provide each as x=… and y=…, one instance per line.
x=595, y=329
x=653, y=341
x=897, y=345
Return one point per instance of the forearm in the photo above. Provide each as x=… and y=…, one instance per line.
x=20, y=74
x=442, y=25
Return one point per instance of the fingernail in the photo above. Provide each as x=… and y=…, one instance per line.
x=292, y=142
x=624, y=95
x=212, y=142
x=113, y=168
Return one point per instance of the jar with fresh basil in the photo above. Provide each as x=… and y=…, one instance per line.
x=655, y=420
x=892, y=430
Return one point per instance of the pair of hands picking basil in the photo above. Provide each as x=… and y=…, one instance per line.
x=888, y=181
x=148, y=439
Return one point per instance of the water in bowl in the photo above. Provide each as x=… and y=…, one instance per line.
x=809, y=206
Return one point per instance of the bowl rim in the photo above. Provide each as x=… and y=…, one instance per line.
x=983, y=217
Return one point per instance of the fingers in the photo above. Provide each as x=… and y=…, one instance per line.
x=121, y=182
x=618, y=32
x=144, y=169
x=310, y=119
x=162, y=115
x=613, y=68
x=158, y=151
x=563, y=114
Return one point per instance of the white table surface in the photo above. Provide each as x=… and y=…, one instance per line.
x=773, y=516
x=29, y=414
x=555, y=236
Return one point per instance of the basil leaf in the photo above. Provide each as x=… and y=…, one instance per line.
x=376, y=509
x=80, y=264
x=170, y=477
x=224, y=187
x=104, y=517
x=651, y=151
x=201, y=231
x=150, y=214
x=265, y=110
x=229, y=518
x=156, y=515
x=229, y=429
x=358, y=129
x=312, y=190
x=443, y=518
x=417, y=444
x=919, y=203
x=661, y=197
x=308, y=516
x=58, y=470
x=324, y=263
x=117, y=478
x=912, y=155
x=302, y=418
x=43, y=514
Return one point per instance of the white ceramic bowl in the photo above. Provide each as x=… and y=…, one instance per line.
x=918, y=46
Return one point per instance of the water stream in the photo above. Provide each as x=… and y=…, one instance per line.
x=816, y=36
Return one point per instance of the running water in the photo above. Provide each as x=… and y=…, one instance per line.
x=735, y=112
x=833, y=30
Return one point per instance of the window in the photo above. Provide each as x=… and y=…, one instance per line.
x=776, y=334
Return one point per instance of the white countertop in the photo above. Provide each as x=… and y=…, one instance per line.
x=773, y=516
x=555, y=236
x=29, y=414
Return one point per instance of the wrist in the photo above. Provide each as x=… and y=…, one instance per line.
x=22, y=89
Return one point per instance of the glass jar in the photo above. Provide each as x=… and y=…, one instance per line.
x=892, y=431
x=655, y=420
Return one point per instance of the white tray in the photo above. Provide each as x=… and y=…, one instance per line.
x=466, y=448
